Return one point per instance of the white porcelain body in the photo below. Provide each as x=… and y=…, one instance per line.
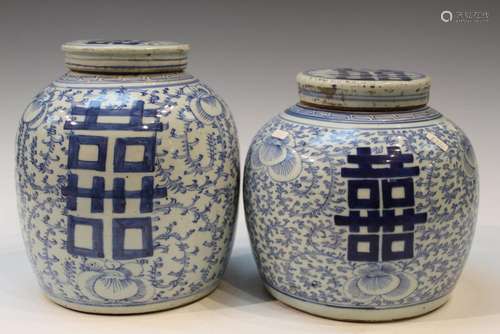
x=127, y=190
x=305, y=192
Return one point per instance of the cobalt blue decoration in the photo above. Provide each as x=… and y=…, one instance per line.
x=361, y=200
x=120, y=226
x=127, y=182
x=380, y=180
x=118, y=42
x=134, y=114
x=97, y=194
x=96, y=249
x=146, y=163
x=75, y=143
x=372, y=186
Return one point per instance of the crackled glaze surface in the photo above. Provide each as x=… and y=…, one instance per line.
x=318, y=242
x=127, y=190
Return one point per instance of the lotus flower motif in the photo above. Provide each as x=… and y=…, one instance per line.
x=277, y=155
x=206, y=106
x=33, y=114
x=113, y=282
x=383, y=280
x=469, y=159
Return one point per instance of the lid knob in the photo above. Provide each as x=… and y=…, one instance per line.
x=347, y=88
x=125, y=56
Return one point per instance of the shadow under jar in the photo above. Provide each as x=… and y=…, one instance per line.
x=361, y=200
x=127, y=175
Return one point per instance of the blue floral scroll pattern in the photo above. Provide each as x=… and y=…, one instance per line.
x=197, y=160
x=300, y=251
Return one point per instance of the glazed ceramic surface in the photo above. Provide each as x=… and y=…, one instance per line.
x=361, y=215
x=127, y=184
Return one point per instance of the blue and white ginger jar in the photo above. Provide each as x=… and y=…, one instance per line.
x=127, y=175
x=361, y=200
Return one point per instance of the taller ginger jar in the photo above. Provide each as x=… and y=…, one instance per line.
x=361, y=200
x=127, y=179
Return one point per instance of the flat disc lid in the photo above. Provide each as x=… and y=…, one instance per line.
x=363, y=88
x=125, y=56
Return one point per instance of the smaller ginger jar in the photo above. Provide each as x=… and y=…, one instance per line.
x=361, y=200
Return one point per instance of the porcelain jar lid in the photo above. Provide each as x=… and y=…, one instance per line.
x=363, y=88
x=125, y=56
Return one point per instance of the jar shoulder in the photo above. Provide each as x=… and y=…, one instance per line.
x=431, y=140
x=320, y=127
x=153, y=96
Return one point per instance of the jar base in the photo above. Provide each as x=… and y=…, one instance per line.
x=146, y=308
x=356, y=314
